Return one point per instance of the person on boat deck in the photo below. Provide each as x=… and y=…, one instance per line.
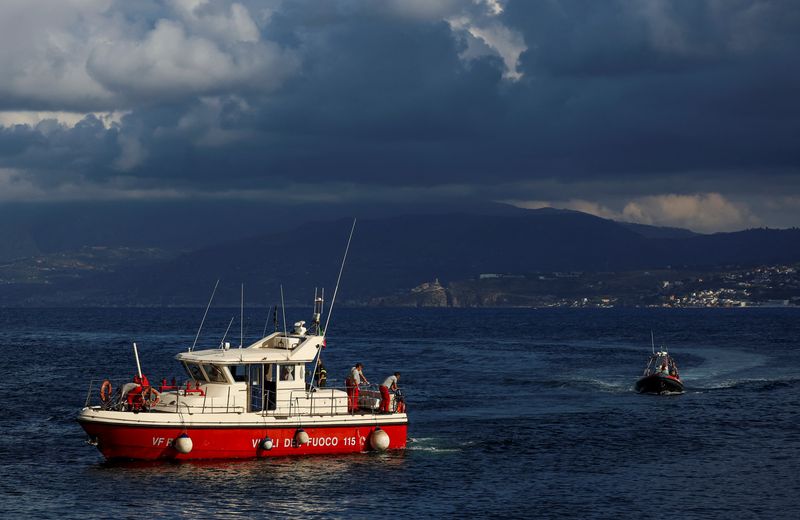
x=321, y=375
x=664, y=370
x=390, y=383
x=354, y=379
x=132, y=391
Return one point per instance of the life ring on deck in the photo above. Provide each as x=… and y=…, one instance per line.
x=150, y=397
x=106, y=390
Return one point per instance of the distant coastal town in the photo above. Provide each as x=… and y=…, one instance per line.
x=773, y=286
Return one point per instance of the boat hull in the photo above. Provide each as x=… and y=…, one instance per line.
x=659, y=384
x=156, y=442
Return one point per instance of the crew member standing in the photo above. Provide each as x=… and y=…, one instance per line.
x=321, y=375
x=355, y=378
x=390, y=383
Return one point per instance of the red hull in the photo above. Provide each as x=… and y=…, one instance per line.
x=155, y=443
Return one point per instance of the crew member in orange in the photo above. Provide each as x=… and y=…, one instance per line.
x=390, y=383
x=353, y=380
x=134, y=393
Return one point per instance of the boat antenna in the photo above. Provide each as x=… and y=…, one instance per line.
x=266, y=322
x=285, y=330
x=275, y=318
x=241, y=320
x=318, y=303
x=652, y=341
x=204, y=315
x=138, y=365
x=319, y=299
x=338, y=279
x=222, y=343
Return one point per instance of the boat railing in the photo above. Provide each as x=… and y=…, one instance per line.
x=113, y=394
x=313, y=401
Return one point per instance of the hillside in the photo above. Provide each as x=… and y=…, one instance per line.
x=392, y=255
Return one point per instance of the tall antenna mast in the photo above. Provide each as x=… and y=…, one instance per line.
x=652, y=341
x=266, y=322
x=241, y=320
x=222, y=343
x=319, y=298
x=339, y=279
x=285, y=330
x=204, y=315
x=319, y=302
x=283, y=310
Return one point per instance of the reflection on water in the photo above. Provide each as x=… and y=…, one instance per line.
x=290, y=485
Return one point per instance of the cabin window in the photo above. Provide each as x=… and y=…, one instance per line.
x=287, y=373
x=239, y=373
x=215, y=374
x=194, y=372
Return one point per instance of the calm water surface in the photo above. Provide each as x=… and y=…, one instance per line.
x=513, y=413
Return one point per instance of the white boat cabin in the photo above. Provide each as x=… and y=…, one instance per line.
x=270, y=377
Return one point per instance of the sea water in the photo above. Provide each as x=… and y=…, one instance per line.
x=513, y=413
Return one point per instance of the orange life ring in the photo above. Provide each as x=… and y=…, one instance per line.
x=150, y=397
x=106, y=390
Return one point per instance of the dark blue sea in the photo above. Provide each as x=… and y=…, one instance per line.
x=513, y=414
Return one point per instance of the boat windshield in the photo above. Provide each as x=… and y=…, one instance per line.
x=215, y=374
x=194, y=371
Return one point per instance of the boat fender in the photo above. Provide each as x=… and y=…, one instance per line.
x=105, y=390
x=266, y=444
x=379, y=440
x=183, y=444
x=301, y=437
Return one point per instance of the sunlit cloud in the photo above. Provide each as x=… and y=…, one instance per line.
x=700, y=212
x=705, y=212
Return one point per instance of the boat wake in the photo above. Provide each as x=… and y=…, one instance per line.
x=611, y=386
x=726, y=369
x=753, y=384
x=430, y=444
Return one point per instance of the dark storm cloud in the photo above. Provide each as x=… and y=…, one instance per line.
x=420, y=95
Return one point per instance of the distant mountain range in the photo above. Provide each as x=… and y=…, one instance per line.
x=397, y=253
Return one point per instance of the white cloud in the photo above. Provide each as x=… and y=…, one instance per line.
x=66, y=119
x=477, y=21
x=484, y=31
x=44, y=50
x=235, y=25
x=98, y=55
x=170, y=61
x=506, y=43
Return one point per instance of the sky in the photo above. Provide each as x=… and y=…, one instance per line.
x=675, y=113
